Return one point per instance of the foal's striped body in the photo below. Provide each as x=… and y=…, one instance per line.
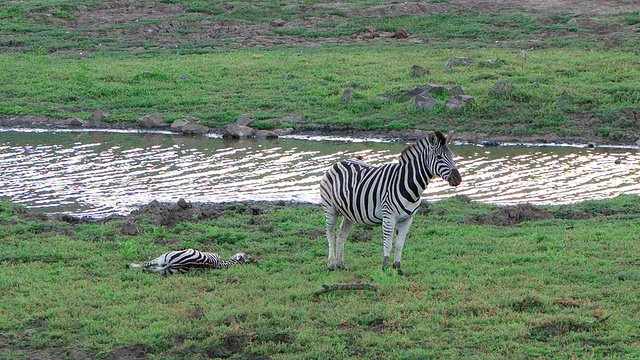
x=184, y=260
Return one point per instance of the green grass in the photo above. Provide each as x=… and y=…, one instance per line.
x=207, y=87
x=556, y=288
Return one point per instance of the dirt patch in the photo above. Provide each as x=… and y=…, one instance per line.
x=512, y=215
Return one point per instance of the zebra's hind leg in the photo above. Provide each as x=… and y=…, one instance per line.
x=345, y=228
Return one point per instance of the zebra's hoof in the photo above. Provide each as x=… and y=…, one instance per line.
x=342, y=267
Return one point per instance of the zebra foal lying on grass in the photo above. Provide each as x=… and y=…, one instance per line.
x=388, y=194
x=183, y=260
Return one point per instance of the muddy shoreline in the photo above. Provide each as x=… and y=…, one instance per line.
x=315, y=132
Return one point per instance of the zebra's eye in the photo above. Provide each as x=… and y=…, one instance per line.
x=439, y=157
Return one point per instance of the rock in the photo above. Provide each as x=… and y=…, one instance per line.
x=75, y=122
x=266, y=134
x=194, y=129
x=287, y=76
x=245, y=119
x=490, y=143
x=425, y=102
x=277, y=23
x=459, y=101
x=427, y=89
x=457, y=90
x=400, y=34
x=129, y=228
x=523, y=54
x=178, y=124
x=493, y=62
x=97, y=116
x=346, y=96
x=573, y=21
x=501, y=88
x=153, y=121
x=459, y=61
x=417, y=71
x=183, y=78
x=235, y=131
x=618, y=161
x=638, y=142
x=182, y=203
x=283, y=132
x=564, y=98
x=370, y=35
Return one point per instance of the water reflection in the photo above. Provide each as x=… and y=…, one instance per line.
x=97, y=174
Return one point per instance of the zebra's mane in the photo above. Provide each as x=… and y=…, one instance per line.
x=420, y=145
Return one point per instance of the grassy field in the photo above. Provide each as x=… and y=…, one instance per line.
x=563, y=287
x=64, y=60
x=557, y=288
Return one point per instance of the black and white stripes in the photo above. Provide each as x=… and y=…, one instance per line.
x=183, y=260
x=388, y=194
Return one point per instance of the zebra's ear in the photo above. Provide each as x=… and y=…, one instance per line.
x=449, y=137
x=432, y=138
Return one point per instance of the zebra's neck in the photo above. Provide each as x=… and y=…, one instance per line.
x=414, y=171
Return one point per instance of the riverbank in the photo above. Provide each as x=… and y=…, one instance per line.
x=51, y=124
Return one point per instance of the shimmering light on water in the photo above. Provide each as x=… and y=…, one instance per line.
x=97, y=174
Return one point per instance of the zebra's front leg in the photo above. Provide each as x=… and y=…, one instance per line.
x=403, y=229
x=388, y=228
x=331, y=218
x=345, y=228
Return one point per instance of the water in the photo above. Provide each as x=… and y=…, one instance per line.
x=97, y=174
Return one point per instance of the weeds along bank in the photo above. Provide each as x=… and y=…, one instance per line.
x=481, y=280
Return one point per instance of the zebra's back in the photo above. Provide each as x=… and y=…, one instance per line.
x=357, y=190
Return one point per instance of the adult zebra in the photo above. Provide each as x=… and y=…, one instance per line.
x=388, y=194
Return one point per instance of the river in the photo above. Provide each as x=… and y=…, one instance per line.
x=101, y=173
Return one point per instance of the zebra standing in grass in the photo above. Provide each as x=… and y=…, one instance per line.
x=183, y=260
x=388, y=194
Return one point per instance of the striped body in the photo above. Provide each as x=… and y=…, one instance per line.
x=388, y=194
x=183, y=260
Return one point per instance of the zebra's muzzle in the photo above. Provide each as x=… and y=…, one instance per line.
x=455, y=179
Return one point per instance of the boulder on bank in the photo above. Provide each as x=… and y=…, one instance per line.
x=235, y=131
x=153, y=121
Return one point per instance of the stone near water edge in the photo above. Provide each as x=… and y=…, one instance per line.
x=266, y=134
x=153, y=121
x=178, y=124
x=182, y=203
x=244, y=119
x=194, y=129
x=97, y=116
x=235, y=131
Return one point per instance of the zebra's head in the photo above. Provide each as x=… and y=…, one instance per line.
x=442, y=159
x=240, y=258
